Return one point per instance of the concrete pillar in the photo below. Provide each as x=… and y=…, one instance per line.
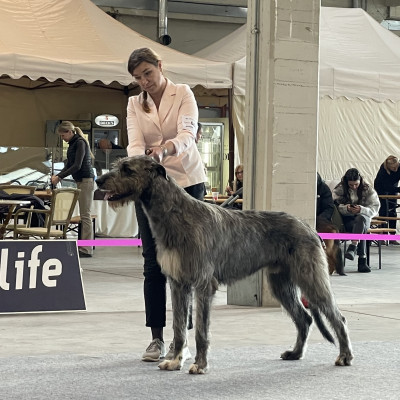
x=281, y=126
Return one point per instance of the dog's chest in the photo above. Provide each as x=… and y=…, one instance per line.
x=170, y=263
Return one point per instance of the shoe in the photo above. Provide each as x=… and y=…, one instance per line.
x=362, y=265
x=185, y=351
x=394, y=242
x=84, y=255
x=155, y=351
x=351, y=252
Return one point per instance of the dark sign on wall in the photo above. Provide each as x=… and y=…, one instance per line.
x=40, y=276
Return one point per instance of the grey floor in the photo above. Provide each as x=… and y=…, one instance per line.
x=96, y=354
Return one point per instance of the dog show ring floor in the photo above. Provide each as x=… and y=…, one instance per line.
x=96, y=354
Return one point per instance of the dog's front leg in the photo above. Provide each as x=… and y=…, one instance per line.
x=181, y=298
x=204, y=296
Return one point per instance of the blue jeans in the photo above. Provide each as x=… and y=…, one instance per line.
x=154, y=288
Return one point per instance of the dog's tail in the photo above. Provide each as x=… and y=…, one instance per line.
x=320, y=324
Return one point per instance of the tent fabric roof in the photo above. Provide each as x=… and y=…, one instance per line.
x=74, y=40
x=358, y=57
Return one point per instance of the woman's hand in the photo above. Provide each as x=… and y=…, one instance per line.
x=55, y=179
x=158, y=152
x=229, y=190
x=353, y=208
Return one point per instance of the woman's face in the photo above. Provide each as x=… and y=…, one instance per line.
x=66, y=136
x=354, y=184
x=239, y=174
x=149, y=77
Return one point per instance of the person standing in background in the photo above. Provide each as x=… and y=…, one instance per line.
x=162, y=123
x=79, y=165
x=387, y=182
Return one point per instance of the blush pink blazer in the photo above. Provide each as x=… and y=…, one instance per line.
x=175, y=121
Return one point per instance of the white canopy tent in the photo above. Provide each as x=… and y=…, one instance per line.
x=74, y=42
x=359, y=114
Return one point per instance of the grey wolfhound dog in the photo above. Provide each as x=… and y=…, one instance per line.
x=200, y=245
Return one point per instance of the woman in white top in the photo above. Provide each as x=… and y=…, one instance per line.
x=161, y=122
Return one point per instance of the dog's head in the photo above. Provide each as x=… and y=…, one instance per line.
x=130, y=178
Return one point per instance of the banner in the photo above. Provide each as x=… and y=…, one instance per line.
x=40, y=275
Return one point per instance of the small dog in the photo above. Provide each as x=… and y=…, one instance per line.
x=200, y=245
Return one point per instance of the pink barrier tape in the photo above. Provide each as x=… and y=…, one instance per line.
x=339, y=236
x=355, y=236
x=110, y=242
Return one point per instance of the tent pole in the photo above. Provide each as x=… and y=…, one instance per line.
x=231, y=154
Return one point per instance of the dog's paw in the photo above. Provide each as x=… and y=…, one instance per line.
x=290, y=355
x=170, y=365
x=344, y=359
x=196, y=370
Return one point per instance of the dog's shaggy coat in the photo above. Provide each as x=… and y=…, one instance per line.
x=200, y=245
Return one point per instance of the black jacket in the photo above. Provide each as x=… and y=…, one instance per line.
x=385, y=183
x=79, y=161
x=325, y=204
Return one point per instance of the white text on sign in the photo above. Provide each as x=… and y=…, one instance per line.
x=51, y=268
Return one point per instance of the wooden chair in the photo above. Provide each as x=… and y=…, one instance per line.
x=17, y=189
x=75, y=225
x=58, y=217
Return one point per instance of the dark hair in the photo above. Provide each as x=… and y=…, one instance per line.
x=199, y=126
x=144, y=54
x=353, y=174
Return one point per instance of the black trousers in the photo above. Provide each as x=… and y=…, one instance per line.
x=388, y=209
x=154, y=288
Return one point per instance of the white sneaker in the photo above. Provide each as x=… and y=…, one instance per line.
x=154, y=351
x=185, y=351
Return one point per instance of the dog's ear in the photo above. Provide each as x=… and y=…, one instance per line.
x=161, y=171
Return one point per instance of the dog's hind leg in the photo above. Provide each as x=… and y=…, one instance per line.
x=321, y=301
x=286, y=292
x=204, y=296
x=181, y=295
x=338, y=323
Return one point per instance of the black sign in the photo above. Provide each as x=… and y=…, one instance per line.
x=40, y=276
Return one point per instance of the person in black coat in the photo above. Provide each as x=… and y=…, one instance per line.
x=325, y=210
x=387, y=182
x=325, y=204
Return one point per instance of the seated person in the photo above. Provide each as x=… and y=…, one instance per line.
x=106, y=144
x=106, y=154
x=325, y=210
x=358, y=203
x=387, y=182
x=325, y=204
x=237, y=183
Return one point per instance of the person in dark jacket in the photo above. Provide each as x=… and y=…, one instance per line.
x=387, y=182
x=324, y=223
x=79, y=165
x=325, y=204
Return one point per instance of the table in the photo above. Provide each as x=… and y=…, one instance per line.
x=109, y=223
x=43, y=194
x=12, y=204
